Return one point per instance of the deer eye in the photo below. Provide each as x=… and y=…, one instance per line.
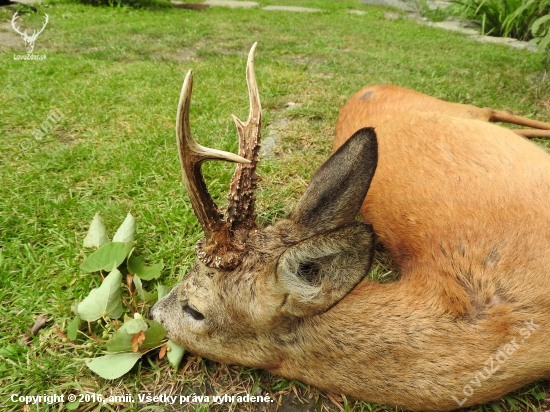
x=195, y=314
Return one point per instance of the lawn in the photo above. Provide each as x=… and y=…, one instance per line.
x=111, y=80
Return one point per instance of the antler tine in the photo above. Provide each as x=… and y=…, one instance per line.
x=216, y=249
x=240, y=211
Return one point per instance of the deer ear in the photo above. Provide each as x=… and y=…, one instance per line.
x=337, y=190
x=317, y=272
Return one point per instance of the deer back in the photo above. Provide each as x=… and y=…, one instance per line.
x=375, y=104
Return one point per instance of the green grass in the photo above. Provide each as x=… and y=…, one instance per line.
x=508, y=18
x=115, y=74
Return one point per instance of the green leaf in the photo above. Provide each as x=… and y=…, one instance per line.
x=72, y=406
x=137, y=267
x=134, y=326
x=97, y=234
x=538, y=22
x=122, y=339
x=72, y=329
x=115, y=365
x=74, y=307
x=126, y=232
x=174, y=354
x=154, y=335
x=104, y=258
x=120, y=342
x=162, y=291
x=544, y=43
x=105, y=300
x=142, y=293
x=129, y=248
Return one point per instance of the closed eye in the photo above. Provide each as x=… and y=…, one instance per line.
x=195, y=314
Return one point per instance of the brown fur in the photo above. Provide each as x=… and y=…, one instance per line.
x=373, y=105
x=462, y=206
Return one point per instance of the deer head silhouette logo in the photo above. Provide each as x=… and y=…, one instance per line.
x=29, y=40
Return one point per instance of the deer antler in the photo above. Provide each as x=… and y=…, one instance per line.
x=240, y=211
x=224, y=240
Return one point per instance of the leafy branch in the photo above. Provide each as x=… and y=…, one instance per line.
x=124, y=343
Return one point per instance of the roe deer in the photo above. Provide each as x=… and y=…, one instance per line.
x=375, y=104
x=461, y=204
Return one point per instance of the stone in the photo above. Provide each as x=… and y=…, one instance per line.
x=507, y=41
x=272, y=142
x=398, y=4
x=234, y=4
x=391, y=16
x=292, y=8
x=453, y=26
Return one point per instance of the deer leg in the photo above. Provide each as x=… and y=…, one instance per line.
x=507, y=117
x=531, y=133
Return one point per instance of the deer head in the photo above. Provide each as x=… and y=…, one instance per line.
x=251, y=287
x=29, y=40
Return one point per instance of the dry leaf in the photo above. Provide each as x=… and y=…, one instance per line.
x=137, y=340
x=162, y=352
x=59, y=333
x=130, y=282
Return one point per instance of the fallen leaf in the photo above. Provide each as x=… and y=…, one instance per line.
x=104, y=300
x=137, y=267
x=162, y=352
x=175, y=354
x=72, y=329
x=115, y=365
x=126, y=232
x=130, y=282
x=97, y=234
x=59, y=333
x=142, y=293
x=104, y=258
x=137, y=340
x=162, y=291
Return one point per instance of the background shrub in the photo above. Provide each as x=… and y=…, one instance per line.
x=506, y=18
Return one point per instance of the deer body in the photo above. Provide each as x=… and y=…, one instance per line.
x=462, y=207
x=375, y=104
x=464, y=212
x=465, y=292
x=410, y=357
